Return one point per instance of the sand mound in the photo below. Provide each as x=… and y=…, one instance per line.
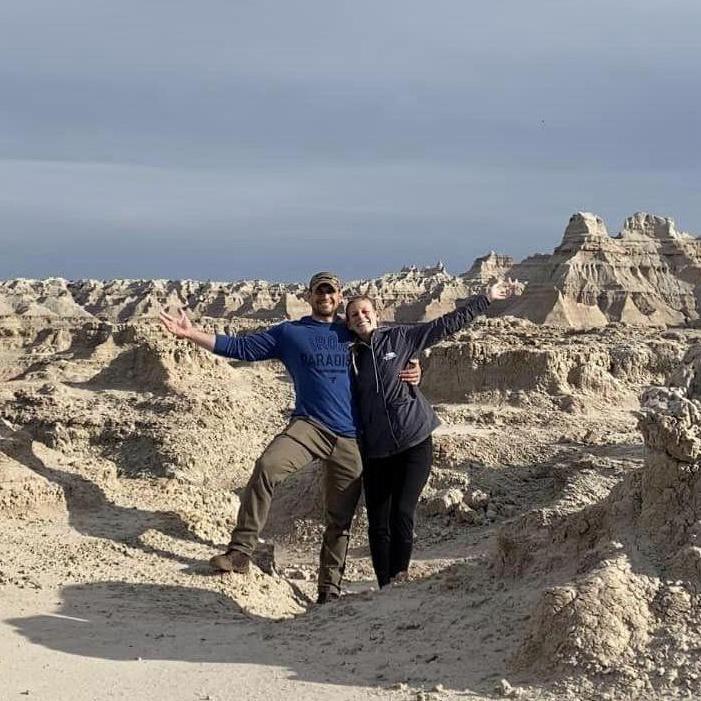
x=141, y=358
x=298, y=501
x=151, y=405
x=141, y=367
x=624, y=574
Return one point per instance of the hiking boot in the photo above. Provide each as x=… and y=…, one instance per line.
x=232, y=561
x=326, y=597
x=264, y=558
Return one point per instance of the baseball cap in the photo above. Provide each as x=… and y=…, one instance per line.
x=324, y=278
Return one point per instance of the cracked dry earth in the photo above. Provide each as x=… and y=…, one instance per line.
x=544, y=568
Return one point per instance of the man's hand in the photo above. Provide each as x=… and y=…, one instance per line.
x=180, y=327
x=502, y=290
x=411, y=373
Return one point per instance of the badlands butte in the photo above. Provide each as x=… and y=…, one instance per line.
x=558, y=546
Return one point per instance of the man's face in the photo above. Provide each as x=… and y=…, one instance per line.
x=325, y=300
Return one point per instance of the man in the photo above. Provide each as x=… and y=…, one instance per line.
x=315, y=351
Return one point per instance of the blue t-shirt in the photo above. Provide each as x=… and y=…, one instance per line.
x=317, y=356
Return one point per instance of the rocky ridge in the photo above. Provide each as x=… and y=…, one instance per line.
x=649, y=274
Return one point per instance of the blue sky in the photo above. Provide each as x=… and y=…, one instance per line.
x=223, y=140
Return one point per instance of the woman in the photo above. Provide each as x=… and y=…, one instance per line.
x=397, y=422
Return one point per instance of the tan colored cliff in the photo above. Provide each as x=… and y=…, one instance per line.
x=647, y=275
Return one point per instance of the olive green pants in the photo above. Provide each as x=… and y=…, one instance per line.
x=299, y=444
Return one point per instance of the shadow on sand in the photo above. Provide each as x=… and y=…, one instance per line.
x=91, y=513
x=355, y=642
x=121, y=622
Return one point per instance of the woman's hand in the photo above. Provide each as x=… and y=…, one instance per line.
x=502, y=290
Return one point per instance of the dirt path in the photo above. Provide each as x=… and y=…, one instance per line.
x=90, y=642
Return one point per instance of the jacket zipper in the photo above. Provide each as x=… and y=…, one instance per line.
x=381, y=389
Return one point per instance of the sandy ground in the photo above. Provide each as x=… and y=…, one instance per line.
x=93, y=642
x=88, y=581
x=120, y=459
x=190, y=642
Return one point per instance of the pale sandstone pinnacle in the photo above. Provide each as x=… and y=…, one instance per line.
x=489, y=267
x=650, y=225
x=584, y=225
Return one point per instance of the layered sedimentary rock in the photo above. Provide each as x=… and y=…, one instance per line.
x=50, y=298
x=648, y=274
x=490, y=267
x=417, y=294
x=130, y=391
x=505, y=357
x=123, y=300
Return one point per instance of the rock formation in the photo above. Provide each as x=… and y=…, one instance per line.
x=505, y=357
x=553, y=547
x=124, y=300
x=416, y=294
x=647, y=275
x=490, y=267
x=624, y=574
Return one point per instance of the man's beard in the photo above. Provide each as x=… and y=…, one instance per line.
x=325, y=308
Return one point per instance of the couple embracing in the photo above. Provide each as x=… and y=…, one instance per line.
x=356, y=395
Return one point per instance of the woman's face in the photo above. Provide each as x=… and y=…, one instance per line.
x=361, y=317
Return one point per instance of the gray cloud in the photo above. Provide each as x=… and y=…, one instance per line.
x=267, y=139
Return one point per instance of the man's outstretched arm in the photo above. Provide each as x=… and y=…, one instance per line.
x=182, y=328
x=412, y=372
x=253, y=346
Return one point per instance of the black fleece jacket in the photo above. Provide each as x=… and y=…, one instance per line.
x=395, y=416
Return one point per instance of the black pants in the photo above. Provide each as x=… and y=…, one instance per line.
x=392, y=488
